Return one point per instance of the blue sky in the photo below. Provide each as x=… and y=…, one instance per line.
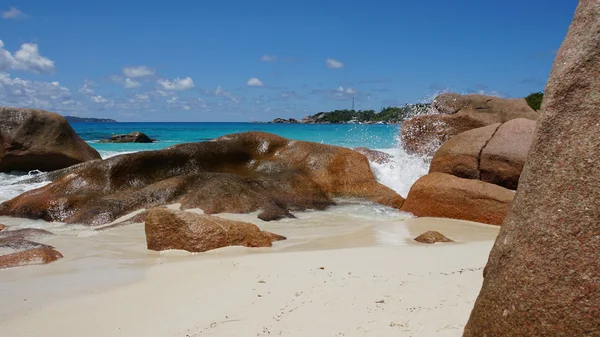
x=239, y=60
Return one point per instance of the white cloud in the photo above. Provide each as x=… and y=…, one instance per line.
x=139, y=71
x=490, y=93
x=33, y=94
x=268, y=58
x=86, y=88
x=129, y=83
x=346, y=90
x=142, y=97
x=27, y=58
x=98, y=99
x=220, y=92
x=176, y=84
x=334, y=64
x=13, y=13
x=255, y=82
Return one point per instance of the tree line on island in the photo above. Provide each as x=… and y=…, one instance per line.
x=387, y=115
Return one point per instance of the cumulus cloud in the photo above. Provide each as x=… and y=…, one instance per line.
x=27, y=58
x=129, y=83
x=346, y=90
x=139, y=71
x=35, y=94
x=176, y=84
x=98, y=99
x=13, y=13
x=255, y=82
x=334, y=64
x=338, y=94
x=142, y=97
x=268, y=58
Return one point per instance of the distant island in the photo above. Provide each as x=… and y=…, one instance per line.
x=89, y=120
x=389, y=115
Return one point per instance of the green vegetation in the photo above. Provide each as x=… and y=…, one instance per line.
x=386, y=115
x=535, y=100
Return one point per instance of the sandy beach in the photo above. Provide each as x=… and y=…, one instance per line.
x=321, y=282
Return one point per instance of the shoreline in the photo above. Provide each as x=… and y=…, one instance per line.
x=99, y=277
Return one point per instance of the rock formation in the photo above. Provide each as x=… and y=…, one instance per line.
x=424, y=134
x=495, y=153
x=29, y=257
x=39, y=140
x=134, y=137
x=543, y=274
x=238, y=173
x=170, y=229
x=446, y=196
x=374, y=156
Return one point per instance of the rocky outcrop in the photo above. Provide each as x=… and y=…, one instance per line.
x=374, y=156
x=134, y=137
x=446, y=196
x=39, y=140
x=284, y=121
x=238, y=173
x=454, y=114
x=171, y=229
x=431, y=237
x=29, y=257
x=495, y=153
x=542, y=276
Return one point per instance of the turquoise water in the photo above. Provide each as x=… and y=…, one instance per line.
x=167, y=134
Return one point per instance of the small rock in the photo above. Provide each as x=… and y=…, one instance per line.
x=2, y=226
x=322, y=268
x=432, y=237
x=28, y=257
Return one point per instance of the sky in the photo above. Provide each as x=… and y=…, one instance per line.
x=240, y=60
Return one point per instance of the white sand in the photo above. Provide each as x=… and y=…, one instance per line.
x=372, y=289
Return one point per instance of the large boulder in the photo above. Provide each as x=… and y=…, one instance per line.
x=543, y=274
x=503, y=157
x=172, y=229
x=495, y=153
x=460, y=156
x=374, y=156
x=446, y=196
x=39, y=140
x=240, y=173
x=134, y=137
x=454, y=114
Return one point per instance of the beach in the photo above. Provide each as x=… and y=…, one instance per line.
x=328, y=282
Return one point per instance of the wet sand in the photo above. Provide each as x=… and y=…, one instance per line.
x=374, y=281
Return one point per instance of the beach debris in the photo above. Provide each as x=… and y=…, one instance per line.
x=380, y=301
x=172, y=229
x=262, y=281
x=432, y=237
x=322, y=268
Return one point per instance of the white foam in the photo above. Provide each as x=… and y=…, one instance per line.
x=401, y=172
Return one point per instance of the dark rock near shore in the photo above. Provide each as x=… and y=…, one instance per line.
x=39, y=140
x=543, y=273
x=134, y=137
x=284, y=121
x=170, y=229
x=238, y=173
